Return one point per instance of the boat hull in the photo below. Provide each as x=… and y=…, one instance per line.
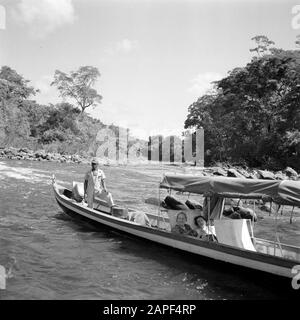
x=220, y=252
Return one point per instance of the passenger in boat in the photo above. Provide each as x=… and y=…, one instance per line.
x=182, y=227
x=202, y=230
x=94, y=183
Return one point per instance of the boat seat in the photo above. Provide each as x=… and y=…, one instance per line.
x=234, y=233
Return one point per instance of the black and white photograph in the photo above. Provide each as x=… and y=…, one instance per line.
x=149, y=151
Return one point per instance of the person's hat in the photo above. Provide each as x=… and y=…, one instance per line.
x=95, y=161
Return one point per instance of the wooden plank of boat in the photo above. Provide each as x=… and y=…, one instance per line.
x=254, y=260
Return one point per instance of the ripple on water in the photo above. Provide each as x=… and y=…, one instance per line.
x=59, y=258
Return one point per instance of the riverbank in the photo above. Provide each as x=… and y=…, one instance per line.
x=220, y=169
x=40, y=155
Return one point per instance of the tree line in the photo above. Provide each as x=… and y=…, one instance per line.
x=63, y=127
x=252, y=116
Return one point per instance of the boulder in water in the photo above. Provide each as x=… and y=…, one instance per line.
x=235, y=215
x=264, y=174
x=280, y=176
x=154, y=201
x=25, y=150
x=174, y=204
x=266, y=208
x=234, y=173
x=40, y=154
x=11, y=151
x=291, y=173
x=219, y=172
x=192, y=204
x=246, y=213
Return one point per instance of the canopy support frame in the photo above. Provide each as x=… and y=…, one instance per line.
x=276, y=240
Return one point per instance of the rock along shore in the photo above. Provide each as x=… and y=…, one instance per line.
x=40, y=155
x=218, y=170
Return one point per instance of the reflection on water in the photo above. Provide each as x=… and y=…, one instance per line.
x=47, y=255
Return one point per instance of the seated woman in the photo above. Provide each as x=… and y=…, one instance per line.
x=202, y=230
x=182, y=227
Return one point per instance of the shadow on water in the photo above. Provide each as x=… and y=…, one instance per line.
x=62, y=216
x=83, y=226
x=221, y=277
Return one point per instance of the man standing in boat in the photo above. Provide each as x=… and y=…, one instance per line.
x=94, y=183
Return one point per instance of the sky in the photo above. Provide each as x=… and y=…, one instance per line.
x=155, y=57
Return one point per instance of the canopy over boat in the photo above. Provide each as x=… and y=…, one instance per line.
x=285, y=192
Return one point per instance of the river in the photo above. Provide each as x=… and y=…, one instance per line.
x=47, y=255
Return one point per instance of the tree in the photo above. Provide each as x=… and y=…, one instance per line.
x=254, y=116
x=209, y=113
x=263, y=44
x=17, y=127
x=13, y=85
x=60, y=123
x=14, y=94
x=78, y=86
x=25, y=123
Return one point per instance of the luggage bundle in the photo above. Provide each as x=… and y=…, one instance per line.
x=78, y=191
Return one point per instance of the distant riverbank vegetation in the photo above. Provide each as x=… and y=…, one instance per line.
x=251, y=117
x=63, y=128
x=253, y=114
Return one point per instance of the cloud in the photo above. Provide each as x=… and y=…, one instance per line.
x=48, y=93
x=124, y=46
x=44, y=16
x=141, y=124
x=43, y=84
x=203, y=82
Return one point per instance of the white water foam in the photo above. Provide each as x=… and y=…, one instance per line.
x=27, y=174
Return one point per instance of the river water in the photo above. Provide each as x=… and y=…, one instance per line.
x=47, y=255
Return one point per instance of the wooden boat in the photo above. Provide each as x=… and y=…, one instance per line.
x=258, y=254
